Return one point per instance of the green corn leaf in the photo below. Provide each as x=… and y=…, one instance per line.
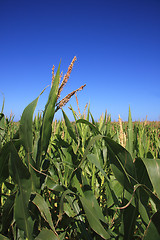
x=25, y=129
x=153, y=228
x=21, y=213
x=88, y=112
x=3, y=103
x=44, y=209
x=142, y=208
x=93, y=219
x=76, y=183
x=129, y=216
x=70, y=196
x=46, y=128
x=26, y=136
x=94, y=212
x=153, y=169
x=75, y=117
x=109, y=126
x=17, y=169
x=142, y=174
x=62, y=235
x=21, y=176
x=121, y=161
x=4, y=157
x=88, y=194
x=113, y=191
x=69, y=127
x=66, y=157
x=2, y=237
x=151, y=194
x=130, y=134
x=92, y=126
x=93, y=122
x=53, y=186
x=143, y=178
x=93, y=159
x=85, y=129
x=73, y=208
x=2, y=128
x=61, y=209
x=102, y=126
x=47, y=234
x=122, y=164
x=7, y=216
x=89, y=146
x=73, y=112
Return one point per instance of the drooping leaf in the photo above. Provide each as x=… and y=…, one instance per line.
x=93, y=219
x=61, y=209
x=91, y=125
x=44, y=209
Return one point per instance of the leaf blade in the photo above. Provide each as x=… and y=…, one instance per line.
x=21, y=176
x=44, y=210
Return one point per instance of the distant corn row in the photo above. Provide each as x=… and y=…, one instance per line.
x=145, y=134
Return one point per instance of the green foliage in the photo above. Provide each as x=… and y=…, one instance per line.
x=73, y=180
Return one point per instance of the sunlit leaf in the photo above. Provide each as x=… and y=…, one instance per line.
x=121, y=164
x=153, y=169
x=48, y=115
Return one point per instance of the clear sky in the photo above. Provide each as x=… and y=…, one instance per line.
x=117, y=44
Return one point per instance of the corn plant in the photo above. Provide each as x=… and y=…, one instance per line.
x=21, y=164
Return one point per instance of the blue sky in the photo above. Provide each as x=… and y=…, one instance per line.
x=117, y=44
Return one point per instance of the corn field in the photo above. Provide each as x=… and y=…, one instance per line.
x=84, y=180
